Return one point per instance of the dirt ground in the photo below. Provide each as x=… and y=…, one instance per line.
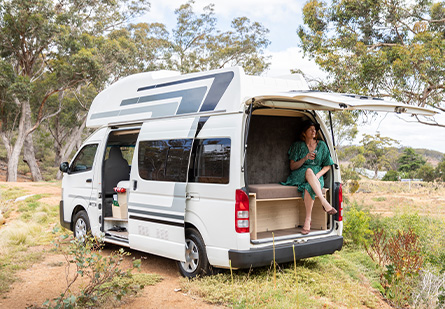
x=46, y=280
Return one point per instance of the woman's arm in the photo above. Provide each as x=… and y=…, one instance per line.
x=294, y=165
x=323, y=171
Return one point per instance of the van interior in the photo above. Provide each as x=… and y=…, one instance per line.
x=276, y=210
x=116, y=173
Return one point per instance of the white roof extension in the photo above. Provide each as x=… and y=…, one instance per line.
x=167, y=93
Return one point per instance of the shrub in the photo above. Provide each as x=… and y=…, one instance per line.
x=106, y=280
x=391, y=176
x=357, y=225
x=400, y=259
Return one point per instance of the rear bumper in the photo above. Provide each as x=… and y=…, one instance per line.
x=285, y=253
x=65, y=224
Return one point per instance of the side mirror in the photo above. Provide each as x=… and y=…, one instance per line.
x=64, y=167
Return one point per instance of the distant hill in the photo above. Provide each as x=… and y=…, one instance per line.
x=431, y=156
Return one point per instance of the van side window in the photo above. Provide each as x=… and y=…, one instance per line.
x=212, y=162
x=164, y=160
x=84, y=159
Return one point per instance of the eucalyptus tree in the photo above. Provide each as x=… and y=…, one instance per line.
x=380, y=48
x=47, y=47
x=197, y=44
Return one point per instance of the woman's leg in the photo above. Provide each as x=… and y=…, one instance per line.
x=308, y=204
x=315, y=185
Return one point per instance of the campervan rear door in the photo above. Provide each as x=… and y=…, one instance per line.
x=309, y=100
x=158, y=180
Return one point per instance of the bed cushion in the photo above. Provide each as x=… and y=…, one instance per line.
x=273, y=190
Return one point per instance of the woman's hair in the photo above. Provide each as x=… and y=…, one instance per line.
x=306, y=125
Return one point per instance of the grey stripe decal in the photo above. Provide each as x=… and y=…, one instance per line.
x=156, y=221
x=156, y=214
x=190, y=102
x=218, y=88
x=158, y=110
x=154, y=207
x=75, y=196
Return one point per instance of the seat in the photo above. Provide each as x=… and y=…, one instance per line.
x=116, y=168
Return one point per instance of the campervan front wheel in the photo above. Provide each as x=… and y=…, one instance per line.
x=81, y=224
x=196, y=262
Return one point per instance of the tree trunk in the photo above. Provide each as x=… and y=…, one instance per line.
x=14, y=151
x=74, y=139
x=30, y=158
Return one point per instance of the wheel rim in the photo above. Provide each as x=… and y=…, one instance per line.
x=191, y=256
x=81, y=228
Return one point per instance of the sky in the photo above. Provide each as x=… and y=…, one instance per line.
x=282, y=18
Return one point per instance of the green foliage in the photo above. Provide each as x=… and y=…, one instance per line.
x=400, y=259
x=378, y=47
x=426, y=172
x=197, y=45
x=106, y=281
x=375, y=149
x=410, y=161
x=356, y=228
x=348, y=173
x=391, y=175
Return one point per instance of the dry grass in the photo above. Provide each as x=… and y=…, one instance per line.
x=389, y=198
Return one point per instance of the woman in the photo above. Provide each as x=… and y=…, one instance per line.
x=309, y=161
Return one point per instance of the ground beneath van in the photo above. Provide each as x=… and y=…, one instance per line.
x=46, y=279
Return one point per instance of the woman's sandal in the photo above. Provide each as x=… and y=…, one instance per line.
x=304, y=231
x=330, y=212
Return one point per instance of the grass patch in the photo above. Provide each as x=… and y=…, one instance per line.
x=35, y=224
x=379, y=199
x=8, y=193
x=342, y=279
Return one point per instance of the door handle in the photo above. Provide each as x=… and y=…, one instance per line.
x=192, y=196
x=89, y=180
x=135, y=185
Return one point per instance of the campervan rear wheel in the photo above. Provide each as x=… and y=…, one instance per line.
x=196, y=262
x=81, y=225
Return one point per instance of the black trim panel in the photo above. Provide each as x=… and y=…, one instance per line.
x=156, y=221
x=284, y=253
x=65, y=224
x=156, y=214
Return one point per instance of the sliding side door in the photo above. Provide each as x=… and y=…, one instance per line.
x=157, y=197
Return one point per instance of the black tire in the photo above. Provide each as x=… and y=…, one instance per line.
x=81, y=225
x=196, y=263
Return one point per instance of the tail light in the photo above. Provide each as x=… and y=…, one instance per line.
x=120, y=190
x=340, y=203
x=241, y=212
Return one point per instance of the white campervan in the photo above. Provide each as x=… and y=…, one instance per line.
x=188, y=167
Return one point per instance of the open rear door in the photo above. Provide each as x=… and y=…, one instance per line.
x=334, y=102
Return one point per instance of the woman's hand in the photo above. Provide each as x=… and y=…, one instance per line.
x=310, y=156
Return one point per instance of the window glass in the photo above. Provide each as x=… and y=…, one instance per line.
x=213, y=161
x=127, y=152
x=164, y=160
x=84, y=159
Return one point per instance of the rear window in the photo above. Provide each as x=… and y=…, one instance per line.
x=212, y=161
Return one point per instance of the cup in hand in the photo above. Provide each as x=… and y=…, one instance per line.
x=313, y=155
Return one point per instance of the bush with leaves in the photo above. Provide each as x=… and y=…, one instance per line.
x=400, y=259
x=106, y=281
x=356, y=229
x=391, y=175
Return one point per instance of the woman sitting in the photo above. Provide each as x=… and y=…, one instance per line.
x=309, y=161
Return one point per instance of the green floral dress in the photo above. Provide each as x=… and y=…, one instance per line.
x=299, y=150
